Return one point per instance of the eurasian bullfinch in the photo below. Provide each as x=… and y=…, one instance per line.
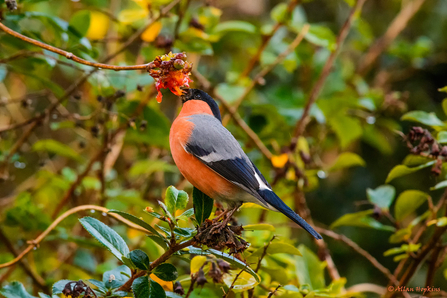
x=211, y=159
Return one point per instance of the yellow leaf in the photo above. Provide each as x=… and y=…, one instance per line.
x=279, y=161
x=302, y=145
x=167, y=285
x=99, y=24
x=244, y=282
x=151, y=32
x=259, y=227
x=197, y=263
x=129, y=16
x=252, y=206
x=290, y=175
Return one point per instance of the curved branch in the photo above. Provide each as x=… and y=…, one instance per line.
x=66, y=54
x=360, y=250
x=35, y=242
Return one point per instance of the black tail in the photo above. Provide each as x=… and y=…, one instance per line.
x=271, y=198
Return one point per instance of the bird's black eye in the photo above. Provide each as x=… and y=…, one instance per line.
x=198, y=96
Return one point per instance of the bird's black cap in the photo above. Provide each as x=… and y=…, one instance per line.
x=197, y=94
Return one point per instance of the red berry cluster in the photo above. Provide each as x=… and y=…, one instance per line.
x=170, y=71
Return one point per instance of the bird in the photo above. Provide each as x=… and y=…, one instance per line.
x=211, y=159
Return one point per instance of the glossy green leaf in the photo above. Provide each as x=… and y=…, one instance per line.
x=175, y=199
x=422, y=117
x=278, y=248
x=401, y=170
x=106, y=236
x=166, y=272
x=347, y=129
x=116, y=277
x=382, y=196
x=142, y=287
x=361, y=219
x=408, y=202
x=15, y=290
x=139, y=222
x=259, y=227
x=55, y=147
x=240, y=26
x=203, y=205
x=346, y=160
x=140, y=259
x=240, y=282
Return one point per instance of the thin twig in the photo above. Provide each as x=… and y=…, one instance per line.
x=273, y=292
x=258, y=77
x=359, y=250
x=66, y=54
x=251, y=292
x=38, y=280
x=265, y=40
x=233, y=283
x=315, y=92
x=397, y=25
x=35, y=242
x=167, y=254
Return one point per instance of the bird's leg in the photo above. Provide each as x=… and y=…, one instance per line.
x=229, y=214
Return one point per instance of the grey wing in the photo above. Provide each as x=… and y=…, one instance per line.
x=216, y=147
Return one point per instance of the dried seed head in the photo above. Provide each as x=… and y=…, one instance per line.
x=178, y=289
x=201, y=279
x=224, y=266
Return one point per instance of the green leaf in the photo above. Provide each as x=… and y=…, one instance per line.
x=203, y=205
x=361, y=219
x=229, y=92
x=224, y=256
x=422, y=117
x=278, y=248
x=442, y=137
x=309, y=269
x=117, y=277
x=142, y=287
x=382, y=196
x=401, y=170
x=259, y=227
x=186, y=215
x=400, y=235
x=99, y=284
x=239, y=282
x=166, y=272
x=444, y=106
x=240, y=26
x=347, y=129
x=439, y=185
x=148, y=166
x=321, y=36
x=106, y=236
x=279, y=13
x=408, y=202
x=346, y=160
x=58, y=148
x=140, y=259
x=166, y=211
x=15, y=290
x=442, y=221
x=80, y=22
x=139, y=222
x=175, y=199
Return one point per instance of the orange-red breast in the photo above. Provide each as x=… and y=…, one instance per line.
x=211, y=159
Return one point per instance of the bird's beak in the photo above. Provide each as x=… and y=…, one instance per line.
x=186, y=94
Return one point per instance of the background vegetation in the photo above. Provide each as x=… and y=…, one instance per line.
x=322, y=95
